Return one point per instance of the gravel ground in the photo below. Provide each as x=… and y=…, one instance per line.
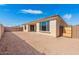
x=24, y=43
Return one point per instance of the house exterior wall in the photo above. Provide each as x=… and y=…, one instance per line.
x=1, y=31
x=59, y=23
x=27, y=28
x=52, y=27
x=37, y=27
x=23, y=27
x=55, y=27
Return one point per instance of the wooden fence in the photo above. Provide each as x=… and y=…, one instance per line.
x=67, y=31
x=75, y=32
x=71, y=31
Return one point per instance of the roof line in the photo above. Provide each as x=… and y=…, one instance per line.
x=42, y=18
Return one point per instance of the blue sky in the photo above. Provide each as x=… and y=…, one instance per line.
x=17, y=14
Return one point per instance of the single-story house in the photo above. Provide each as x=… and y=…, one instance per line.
x=52, y=25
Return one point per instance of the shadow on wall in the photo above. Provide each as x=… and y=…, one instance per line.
x=13, y=45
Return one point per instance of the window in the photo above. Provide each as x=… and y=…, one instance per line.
x=44, y=26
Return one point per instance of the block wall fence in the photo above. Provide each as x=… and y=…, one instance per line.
x=1, y=31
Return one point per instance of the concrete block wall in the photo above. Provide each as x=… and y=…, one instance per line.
x=1, y=31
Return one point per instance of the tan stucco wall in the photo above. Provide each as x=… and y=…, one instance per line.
x=23, y=27
x=59, y=23
x=52, y=26
x=37, y=27
x=1, y=31
x=25, y=30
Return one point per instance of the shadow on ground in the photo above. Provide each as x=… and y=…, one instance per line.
x=11, y=44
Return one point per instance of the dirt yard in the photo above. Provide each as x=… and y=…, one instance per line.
x=24, y=43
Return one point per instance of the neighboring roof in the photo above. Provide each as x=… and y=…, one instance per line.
x=55, y=17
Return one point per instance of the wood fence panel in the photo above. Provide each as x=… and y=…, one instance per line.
x=76, y=32
x=67, y=31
